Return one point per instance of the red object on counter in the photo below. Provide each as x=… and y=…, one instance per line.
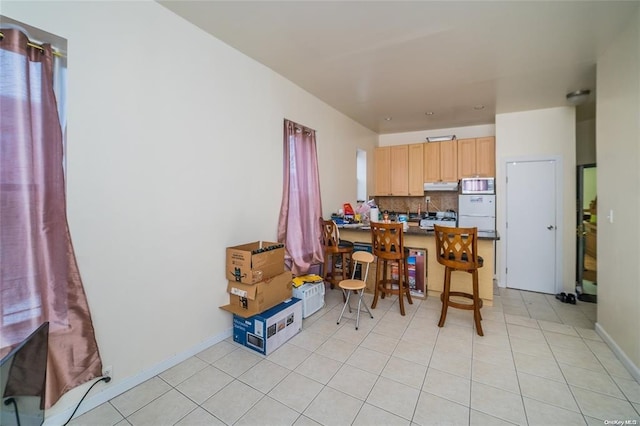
x=348, y=210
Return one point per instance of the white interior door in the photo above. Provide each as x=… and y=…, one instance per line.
x=531, y=226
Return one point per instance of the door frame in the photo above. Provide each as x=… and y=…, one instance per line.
x=501, y=205
x=580, y=238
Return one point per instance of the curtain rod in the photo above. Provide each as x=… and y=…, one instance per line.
x=37, y=46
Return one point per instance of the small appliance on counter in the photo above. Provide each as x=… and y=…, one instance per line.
x=477, y=185
x=447, y=218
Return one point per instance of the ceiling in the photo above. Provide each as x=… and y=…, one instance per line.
x=386, y=64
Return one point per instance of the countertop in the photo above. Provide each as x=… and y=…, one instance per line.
x=416, y=230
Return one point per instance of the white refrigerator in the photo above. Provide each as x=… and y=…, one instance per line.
x=477, y=210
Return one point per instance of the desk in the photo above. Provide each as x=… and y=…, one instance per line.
x=460, y=281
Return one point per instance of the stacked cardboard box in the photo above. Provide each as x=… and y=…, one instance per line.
x=257, y=279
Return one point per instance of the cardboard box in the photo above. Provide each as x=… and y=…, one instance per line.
x=246, y=300
x=269, y=330
x=253, y=262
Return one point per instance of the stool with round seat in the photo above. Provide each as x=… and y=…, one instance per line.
x=387, y=241
x=337, y=253
x=357, y=286
x=457, y=250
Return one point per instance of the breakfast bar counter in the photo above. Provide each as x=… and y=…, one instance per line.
x=416, y=237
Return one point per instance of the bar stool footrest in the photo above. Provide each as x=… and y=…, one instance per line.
x=453, y=304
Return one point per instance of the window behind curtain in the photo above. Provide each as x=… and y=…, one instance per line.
x=27, y=306
x=39, y=275
x=361, y=174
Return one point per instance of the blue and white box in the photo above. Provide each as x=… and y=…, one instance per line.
x=267, y=331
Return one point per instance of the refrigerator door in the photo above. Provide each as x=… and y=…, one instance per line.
x=483, y=223
x=477, y=205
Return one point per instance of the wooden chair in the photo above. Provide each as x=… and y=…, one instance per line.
x=357, y=286
x=337, y=253
x=388, y=246
x=457, y=250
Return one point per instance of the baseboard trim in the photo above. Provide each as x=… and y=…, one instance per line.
x=130, y=382
x=619, y=353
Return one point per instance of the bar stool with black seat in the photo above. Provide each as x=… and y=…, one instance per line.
x=457, y=250
x=357, y=286
x=388, y=246
x=337, y=253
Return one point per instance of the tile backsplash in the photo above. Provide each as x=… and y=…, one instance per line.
x=440, y=201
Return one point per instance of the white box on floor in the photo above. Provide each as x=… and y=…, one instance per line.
x=312, y=296
x=267, y=331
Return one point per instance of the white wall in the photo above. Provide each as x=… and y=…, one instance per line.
x=618, y=153
x=535, y=134
x=586, y=142
x=421, y=136
x=174, y=153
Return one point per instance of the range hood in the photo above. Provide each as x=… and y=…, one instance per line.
x=441, y=186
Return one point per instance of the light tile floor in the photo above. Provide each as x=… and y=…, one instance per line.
x=539, y=363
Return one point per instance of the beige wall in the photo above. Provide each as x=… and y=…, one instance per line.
x=174, y=153
x=618, y=153
x=540, y=134
x=420, y=136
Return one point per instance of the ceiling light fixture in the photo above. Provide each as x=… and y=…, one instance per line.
x=578, y=97
x=388, y=118
x=429, y=113
x=440, y=138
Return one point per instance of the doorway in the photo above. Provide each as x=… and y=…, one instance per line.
x=532, y=232
x=587, y=233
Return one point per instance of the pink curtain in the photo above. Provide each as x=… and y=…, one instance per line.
x=301, y=209
x=39, y=277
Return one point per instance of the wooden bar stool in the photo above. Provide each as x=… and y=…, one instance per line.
x=457, y=250
x=354, y=285
x=335, y=250
x=388, y=247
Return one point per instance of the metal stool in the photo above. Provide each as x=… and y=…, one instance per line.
x=355, y=285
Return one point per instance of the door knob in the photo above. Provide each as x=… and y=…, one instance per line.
x=550, y=227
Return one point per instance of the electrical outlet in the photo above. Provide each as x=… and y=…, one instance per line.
x=107, y=371
x=427, y=199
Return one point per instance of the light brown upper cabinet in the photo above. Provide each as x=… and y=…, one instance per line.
x=416, y=167
x=477, y=157
x=441, y=161
x=382, y=159
x=392, y=170
x=400, y=170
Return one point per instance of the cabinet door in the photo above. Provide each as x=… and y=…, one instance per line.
x=416, y=166
x=382, y=157
x=400, y=170
x=466, y=158
x=432, y=162
x=449, y=161
x=486, y=157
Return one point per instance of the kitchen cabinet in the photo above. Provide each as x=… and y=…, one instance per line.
x=392, y=170
x=416, y=169
x=400, y=170
x=477, y=157
x=441, y=161
x=382, y=160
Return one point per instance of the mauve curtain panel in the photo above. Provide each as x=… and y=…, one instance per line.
x=39, y=277
x=301, y=209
